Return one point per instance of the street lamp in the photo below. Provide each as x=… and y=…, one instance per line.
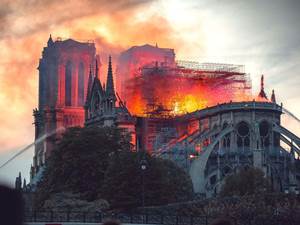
x=143, y=167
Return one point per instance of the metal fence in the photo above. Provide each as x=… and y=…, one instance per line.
x=98, y=217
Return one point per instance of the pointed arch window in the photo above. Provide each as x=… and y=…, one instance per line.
x=81, y=84
x=96, y=104
x=264, y=130
x=243, y=135
x=226, y=139
x=68, y=84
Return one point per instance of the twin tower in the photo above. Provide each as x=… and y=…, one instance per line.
x=65, y=77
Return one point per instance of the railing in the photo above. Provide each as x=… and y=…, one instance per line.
x=234, y=106
x=78, y=40
x=98, y=217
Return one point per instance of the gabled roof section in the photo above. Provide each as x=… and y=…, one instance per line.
x=96, y=87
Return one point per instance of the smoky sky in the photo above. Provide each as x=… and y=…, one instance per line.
x=42, y=14
x=266, y=33
x=26, y=26
x=262, y=35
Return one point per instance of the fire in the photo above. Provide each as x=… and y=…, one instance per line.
x=163, y=96
x=170, y=96
x=153, y=83
x=187, y=104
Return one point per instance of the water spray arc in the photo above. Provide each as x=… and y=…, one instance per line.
x=291, y=115
x=39, y=140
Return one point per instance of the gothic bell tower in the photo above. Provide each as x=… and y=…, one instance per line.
x=63, y=83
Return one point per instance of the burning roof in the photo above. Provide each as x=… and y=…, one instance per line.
x=154, y=84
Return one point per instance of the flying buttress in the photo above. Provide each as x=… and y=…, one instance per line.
x=198, y=166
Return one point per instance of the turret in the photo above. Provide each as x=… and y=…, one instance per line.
x=273, y=98
x=24, y=185
x=50, y=41
x=32, y=173
x=262, y=93
x=18, y=183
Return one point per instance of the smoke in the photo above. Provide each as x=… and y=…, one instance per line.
x=25, y=28
x=21, y=18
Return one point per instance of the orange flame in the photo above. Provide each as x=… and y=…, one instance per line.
x=164, y=95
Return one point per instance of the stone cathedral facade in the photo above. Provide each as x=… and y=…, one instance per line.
x=63, y=85
x=209, y=144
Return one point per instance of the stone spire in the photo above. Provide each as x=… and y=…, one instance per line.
x=18, y=183
x=110, y=89
x=97, y=70
x=90, y=83
x=24, y=184
x=273, y=98
x=262, y=93
x=31, y=173
x=50, y=41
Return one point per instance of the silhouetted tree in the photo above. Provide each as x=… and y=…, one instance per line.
x=79, y=161
x=97, y=163
x=164, y=181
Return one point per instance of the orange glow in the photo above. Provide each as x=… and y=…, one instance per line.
x=171, y=95
x=187, y=104
x=115, y=26
x=24, y=35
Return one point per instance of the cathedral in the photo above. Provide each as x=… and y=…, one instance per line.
x=71, y=94
x=209, y=143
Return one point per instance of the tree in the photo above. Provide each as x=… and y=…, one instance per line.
x=97, y=163
x=245, y=182
x=164, y=181
x=79, y=161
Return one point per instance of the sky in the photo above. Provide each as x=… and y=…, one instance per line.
x=263, y=35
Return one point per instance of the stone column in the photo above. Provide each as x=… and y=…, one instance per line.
x=257, y=150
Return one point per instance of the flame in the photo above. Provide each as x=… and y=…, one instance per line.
x=168, y=95
x=187, y=104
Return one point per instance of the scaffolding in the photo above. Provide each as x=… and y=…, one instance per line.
x=228, y=78
x=211, y=66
